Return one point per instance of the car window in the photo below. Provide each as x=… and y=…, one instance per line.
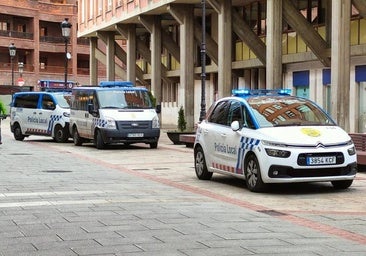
x=287, y=111
x=219, y=114
x=248, y=122
x=235, y=113
x=26, y=101
x=47, y=102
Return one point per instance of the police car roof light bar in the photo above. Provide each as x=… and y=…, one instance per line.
x=258, y=92
x=116, y=84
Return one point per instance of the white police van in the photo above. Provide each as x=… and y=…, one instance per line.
x=113, y=112
x=40, y=113
x=269, y=136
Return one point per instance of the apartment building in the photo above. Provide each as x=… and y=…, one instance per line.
x=34, y=28
x=315, y=47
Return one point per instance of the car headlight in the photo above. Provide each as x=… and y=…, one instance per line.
x=278, y=152
x=155, y=122
x=351, y=151
x=111, y=123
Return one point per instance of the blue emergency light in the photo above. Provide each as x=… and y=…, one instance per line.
x=116, y=84
x=258, y=92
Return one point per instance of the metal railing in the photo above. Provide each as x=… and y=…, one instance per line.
x=16, y=34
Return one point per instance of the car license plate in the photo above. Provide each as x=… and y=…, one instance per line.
x=321, y=160
x=135, y=135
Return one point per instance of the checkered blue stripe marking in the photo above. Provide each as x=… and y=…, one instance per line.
x=97, y=122
x=53, y=119
x=246, y=144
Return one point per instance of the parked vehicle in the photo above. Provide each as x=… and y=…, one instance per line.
x=40, y=113
x=272, y=137
x=114, y=112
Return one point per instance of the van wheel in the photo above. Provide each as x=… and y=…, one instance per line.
x=78, y=141
x=99, y=143
x=61, y=134
x=154, y=145
x=18, y=133
x=253, y=176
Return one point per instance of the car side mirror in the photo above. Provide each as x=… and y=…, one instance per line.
x=235, y=126
x=91, y=110
x=158, y=109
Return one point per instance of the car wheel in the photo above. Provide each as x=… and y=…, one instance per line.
x=78, y=141
x=200, y=165
x=18, y=133
x=253, y=176
x=154, y=145
x=61, y=134
x=342, y=184
x=99, y=143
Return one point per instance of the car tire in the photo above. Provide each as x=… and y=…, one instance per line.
x=154, y=145
x=18, y=133
x=61, y=134
x=78, y=141
x=200, y=166
x=253, y=177
x=99, y=143
x=342, y=184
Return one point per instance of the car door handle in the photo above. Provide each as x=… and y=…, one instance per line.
x=40, y=113
x=223, y=134
x=205, y=131
x=86, y=115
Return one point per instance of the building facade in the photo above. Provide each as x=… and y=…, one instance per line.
x=315, y=47
x=34, y=27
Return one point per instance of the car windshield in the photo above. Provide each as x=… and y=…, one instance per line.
x=124, y=99
x=63, y=100
x=287, y=111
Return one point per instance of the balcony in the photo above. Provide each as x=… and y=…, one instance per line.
x=16, y=34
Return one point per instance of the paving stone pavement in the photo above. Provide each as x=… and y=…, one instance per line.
x=55, y=202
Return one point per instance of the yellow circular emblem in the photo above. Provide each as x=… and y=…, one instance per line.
x=310, y=132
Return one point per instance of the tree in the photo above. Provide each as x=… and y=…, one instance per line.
x=182, y=124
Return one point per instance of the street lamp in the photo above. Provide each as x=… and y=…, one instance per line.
x=203, y=63
x=66, y=31
x=12, y=53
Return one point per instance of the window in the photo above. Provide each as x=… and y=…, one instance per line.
x=43, y=31
x=235, y=113
x=47, y=102
x=3, y=25
x=220, y=114
x=26, y=101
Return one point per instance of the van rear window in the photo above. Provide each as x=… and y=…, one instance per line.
x=26, y=101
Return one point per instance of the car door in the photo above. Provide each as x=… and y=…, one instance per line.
x=45, y=114
x=237, y=140
x=215, y=132
x=26, y=112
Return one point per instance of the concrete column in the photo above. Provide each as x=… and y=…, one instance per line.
x=224, y=49
x=156, y=59
x=340, y=55
x=261, y=78
x=187, y=64
x=93, y=62
x=274, y=44
x=110, y=50
x=131, y=53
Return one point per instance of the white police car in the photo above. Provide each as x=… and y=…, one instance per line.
x=269, y=136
